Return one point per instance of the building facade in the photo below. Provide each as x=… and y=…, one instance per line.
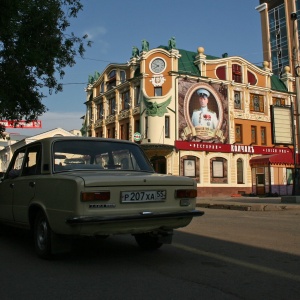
x=209, y=118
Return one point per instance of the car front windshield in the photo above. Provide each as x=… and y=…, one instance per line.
x=98, y=155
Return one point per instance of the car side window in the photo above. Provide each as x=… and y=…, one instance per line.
x=16, y=164
x=32, y=164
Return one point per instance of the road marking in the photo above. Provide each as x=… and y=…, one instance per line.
x=238, y=262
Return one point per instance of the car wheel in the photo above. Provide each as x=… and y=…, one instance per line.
x=148, y=241
x=42, y=236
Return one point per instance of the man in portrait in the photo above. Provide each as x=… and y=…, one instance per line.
x=203, y=116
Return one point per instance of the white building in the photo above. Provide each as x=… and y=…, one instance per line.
x=12, y=145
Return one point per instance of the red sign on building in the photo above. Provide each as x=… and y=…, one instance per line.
x=274, y=155
x=230, y=148
x=21, y=124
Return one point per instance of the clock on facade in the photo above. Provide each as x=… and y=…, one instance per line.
x=157, y=65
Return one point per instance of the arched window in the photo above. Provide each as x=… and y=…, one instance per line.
x=239, y=171
x=221, y=72
x=111, y=82
x=251, y=78
x=102, y=87
x=122, y=76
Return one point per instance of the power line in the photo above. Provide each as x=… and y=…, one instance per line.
x=87, y=58
x=69, y=83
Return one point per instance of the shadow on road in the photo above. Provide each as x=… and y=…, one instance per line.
x=192, y=267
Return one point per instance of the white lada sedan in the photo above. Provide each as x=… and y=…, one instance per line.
x=64, y=187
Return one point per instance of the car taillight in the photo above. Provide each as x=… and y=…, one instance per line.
x=94, y=196
x=186, y=193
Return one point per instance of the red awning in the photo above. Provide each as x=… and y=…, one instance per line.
x=275, y=159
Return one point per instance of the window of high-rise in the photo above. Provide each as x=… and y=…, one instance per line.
x=278, y=39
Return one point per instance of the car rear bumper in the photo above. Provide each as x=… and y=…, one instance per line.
x=127, y=218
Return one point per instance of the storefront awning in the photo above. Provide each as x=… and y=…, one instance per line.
x=275, y=159
x=157, y=149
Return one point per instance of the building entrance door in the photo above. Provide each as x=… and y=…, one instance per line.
x=159, y=164
x=260, y=184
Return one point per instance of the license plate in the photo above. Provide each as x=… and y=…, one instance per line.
x=143, y=196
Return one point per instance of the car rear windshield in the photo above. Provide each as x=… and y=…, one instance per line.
x=98, y=155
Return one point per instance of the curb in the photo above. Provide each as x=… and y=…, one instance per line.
x=253, y=207
x=224, y=206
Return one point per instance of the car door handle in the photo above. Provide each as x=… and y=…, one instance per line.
x=31, y=183
x=12, y=185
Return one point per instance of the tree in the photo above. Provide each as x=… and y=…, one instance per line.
x=35, y=48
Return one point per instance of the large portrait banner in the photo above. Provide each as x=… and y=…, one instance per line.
x=203, y=111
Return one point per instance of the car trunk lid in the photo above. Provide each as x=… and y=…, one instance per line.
x=129, y=178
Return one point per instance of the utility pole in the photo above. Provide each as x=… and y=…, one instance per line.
x=297, y=81
x=295, y=198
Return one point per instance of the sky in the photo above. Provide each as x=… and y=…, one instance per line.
x=114, y=27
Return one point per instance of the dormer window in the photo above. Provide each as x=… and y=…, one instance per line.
x=111, y=82
x=237, y=73
x=102, y=87
x=112, y=75
x=221, y=72
x=251, y=78
x=122, y=76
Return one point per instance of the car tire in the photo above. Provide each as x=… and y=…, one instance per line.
x=148, y=241
x=42, y=236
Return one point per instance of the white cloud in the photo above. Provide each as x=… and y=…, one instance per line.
x=96, y=32
x=96, y=35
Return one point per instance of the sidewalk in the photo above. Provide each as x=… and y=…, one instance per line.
x=246, y=203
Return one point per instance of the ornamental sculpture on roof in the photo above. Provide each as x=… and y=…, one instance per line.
x=145, y=46
x=90, y=79
x=172, y=43
x=135, y=51
x=96, y=75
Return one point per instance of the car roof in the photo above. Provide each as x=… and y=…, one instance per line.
x=80, y=138
x=50, y=140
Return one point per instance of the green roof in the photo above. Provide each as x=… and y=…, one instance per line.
x=186, y=62
x=277, y=84
x=186, y=66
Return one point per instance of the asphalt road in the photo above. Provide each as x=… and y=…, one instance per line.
x=222, y=255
